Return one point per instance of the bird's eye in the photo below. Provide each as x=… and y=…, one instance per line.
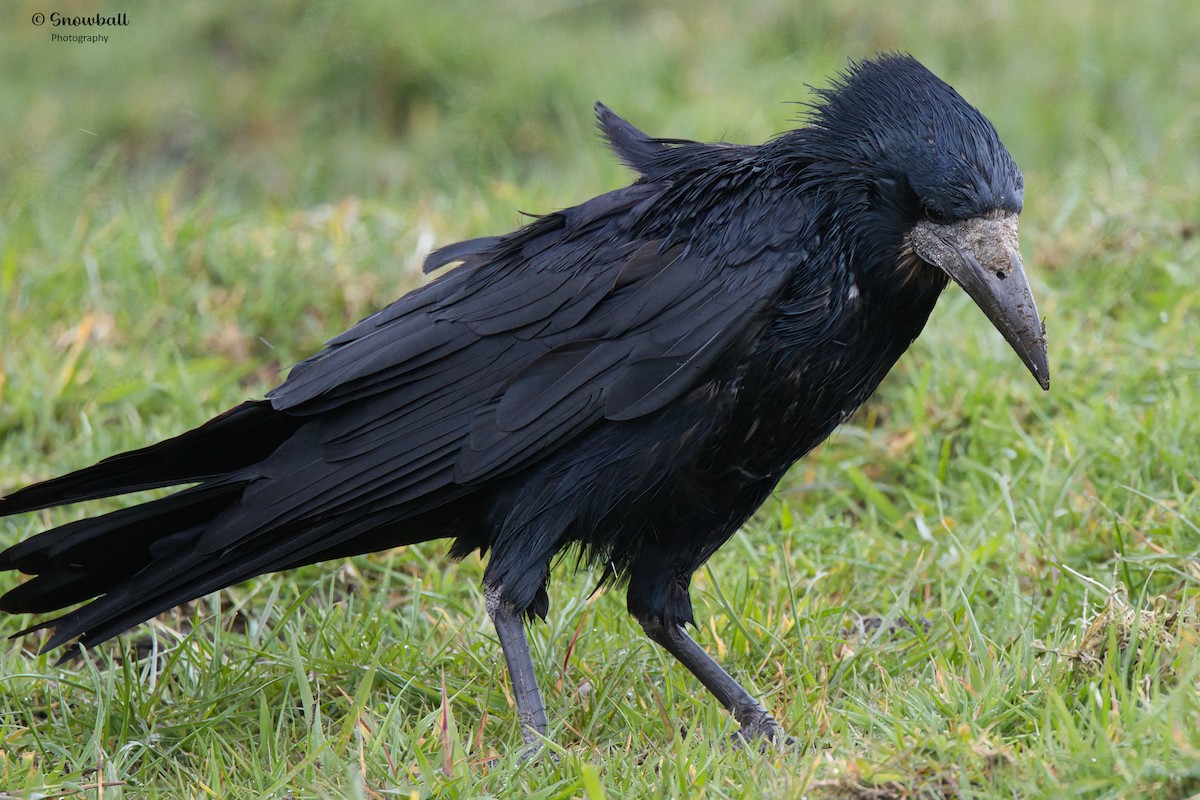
x=934, y=215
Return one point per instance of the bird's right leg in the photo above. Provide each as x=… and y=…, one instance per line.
x=663, y=607
x=510, y=628
x=755, y=721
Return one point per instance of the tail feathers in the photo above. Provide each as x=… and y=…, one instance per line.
x=187, y=572
x=242, y=436
x=89, y=557
x=164, y=583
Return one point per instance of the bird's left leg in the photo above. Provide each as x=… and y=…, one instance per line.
x=755, y=721
x=510, y=628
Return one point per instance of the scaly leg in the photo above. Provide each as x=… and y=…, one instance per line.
x=531, y=710
x=755, y=721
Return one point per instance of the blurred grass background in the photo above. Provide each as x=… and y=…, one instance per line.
x=202, y=200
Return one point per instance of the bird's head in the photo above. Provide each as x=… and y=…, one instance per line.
x=941, y=192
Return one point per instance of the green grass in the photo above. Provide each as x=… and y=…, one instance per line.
x=199, y=203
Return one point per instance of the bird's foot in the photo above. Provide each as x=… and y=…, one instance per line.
x=894, y=628
x=536, y=748
x=763, y=731
x=531, y=752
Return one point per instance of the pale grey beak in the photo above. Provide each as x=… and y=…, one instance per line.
x=983, y=257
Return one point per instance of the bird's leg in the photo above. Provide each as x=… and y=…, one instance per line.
x=755, y=721
x=510, y=628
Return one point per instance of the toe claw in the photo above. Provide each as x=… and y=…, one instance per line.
x=765, y=732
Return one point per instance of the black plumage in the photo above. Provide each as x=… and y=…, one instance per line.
x=631, y=376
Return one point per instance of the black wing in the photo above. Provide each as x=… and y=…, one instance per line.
x=595, y=315
x=578, y=320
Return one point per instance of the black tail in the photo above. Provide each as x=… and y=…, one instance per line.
x=87, y=558
x=241, y=436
